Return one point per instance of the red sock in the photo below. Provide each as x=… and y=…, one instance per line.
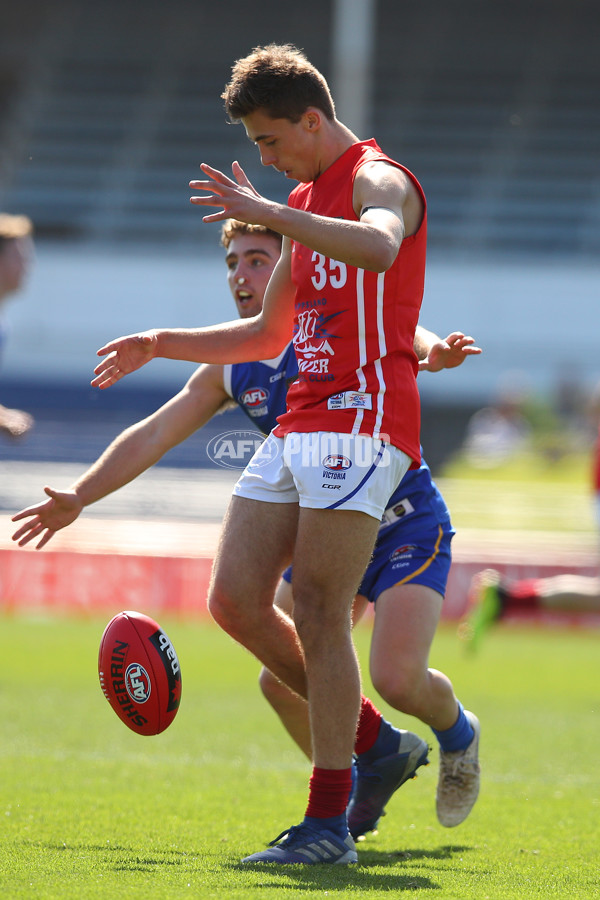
x=329, y=792
x=525, y=592
x=367, y=730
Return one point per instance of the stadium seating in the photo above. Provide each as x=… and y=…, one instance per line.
x=105, y=113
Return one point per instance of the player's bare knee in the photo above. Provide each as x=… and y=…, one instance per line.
x=317, y=630
x=226, y=612
x=397, y=691
x=317, y=609
x=270, y=686
x=276, y=693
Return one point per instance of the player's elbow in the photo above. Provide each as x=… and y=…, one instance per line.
x=277, y=343
x=381, y=256
x=382, y=264
x=271, y=336
x=269, y=345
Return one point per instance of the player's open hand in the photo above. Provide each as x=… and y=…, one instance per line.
x=236, y=195
x=45, y=519
x=125, y=355
x=449, y=353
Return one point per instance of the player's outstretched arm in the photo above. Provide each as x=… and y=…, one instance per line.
x=371, y=243
x=437, y=353
x=236, y=341
x=134, y=451
x=261, y=337
x=123, y=356
x=44, y=519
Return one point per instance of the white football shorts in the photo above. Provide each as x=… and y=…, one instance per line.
x=324, y=470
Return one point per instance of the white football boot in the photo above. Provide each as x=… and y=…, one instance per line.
x=458, y=782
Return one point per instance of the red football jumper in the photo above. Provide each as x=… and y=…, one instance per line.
x=354, y=329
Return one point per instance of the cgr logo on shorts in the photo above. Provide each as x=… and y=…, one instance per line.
x=234, y=449
x=137, y=683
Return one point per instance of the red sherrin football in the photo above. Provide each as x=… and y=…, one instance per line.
x=139, y=672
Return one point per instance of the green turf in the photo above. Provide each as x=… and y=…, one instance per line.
x=91, y=810
x=528, y=467
x=527, y=493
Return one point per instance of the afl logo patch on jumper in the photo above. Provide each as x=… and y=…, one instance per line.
x=254, y=397
x=336, y=463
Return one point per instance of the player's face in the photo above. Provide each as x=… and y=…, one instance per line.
x=287, y=146
x=250, y=260
x=15, y=261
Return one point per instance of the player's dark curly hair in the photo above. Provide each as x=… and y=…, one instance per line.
x=278, y=79
x=232, y=228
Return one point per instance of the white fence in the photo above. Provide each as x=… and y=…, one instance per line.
x=539, y=320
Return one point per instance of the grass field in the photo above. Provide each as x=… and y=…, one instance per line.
x=91, y=810
x=527, y=493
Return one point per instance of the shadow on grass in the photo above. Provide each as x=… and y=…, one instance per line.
x=358, y=877
x=404, y=867
x=130, y=861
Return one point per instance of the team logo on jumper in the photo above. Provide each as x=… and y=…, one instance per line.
x=234, y=449
x=404, y=552
x=355, y=398
x=312, y=336
x=336, y=462
x=402, y=508
x=397, y=511
x=255, y=400
x=137, y=683
x=350, y=400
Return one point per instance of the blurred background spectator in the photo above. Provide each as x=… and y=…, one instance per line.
x=500, y=432
x=16, y=255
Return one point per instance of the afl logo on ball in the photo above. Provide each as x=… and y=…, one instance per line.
x=137, y=683
x=336, y=463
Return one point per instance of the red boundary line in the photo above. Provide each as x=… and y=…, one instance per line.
x=77, y=582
